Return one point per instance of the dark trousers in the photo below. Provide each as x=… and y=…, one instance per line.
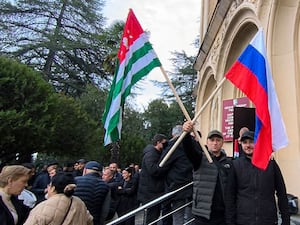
x=199, y=220
x=153, y=213
x=165, y=209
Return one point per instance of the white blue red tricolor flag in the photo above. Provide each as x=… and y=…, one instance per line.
x=252, y=75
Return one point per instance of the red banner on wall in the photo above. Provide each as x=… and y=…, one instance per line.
x=227, y=117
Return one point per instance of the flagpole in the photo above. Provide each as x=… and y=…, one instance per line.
x=186, y=114
x=194, y=119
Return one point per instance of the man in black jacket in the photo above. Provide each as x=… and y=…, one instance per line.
x=180, y=173
x=251, y=191
x=151, y=181
x=40, y=183
x=209, y=178
x=109, y=179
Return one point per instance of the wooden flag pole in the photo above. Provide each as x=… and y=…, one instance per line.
x=186, y=114
x=194, y=119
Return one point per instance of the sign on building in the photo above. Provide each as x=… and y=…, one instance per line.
x=228, y=115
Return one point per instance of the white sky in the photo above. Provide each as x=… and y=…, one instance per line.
x=173, y=26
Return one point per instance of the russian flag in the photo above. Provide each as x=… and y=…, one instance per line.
x=252, y=75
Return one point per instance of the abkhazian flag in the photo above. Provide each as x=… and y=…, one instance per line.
x=136, y=59
x=252, y=75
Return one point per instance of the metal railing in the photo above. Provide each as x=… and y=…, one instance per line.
x=153, y=203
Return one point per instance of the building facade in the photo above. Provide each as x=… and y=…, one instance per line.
x=227, y=26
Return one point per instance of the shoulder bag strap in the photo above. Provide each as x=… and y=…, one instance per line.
x=67, y=211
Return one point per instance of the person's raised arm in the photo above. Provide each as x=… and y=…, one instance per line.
x=191, y=147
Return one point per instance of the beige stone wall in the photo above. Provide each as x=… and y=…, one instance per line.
x=284, y=44
x=280, y=21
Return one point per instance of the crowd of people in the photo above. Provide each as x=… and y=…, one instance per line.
x=78, y=194
x=225, y=191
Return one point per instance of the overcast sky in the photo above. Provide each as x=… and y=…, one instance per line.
x=173, y=26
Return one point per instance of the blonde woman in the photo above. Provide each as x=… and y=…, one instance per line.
x=61, y=207
x=13, y=180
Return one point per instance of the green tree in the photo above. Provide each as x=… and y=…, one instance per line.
x=24, y=102
x=33, y=118
x=93, y=101
x=60, y=38
x=112, y=37
x=183, y=78
x=157, y=118
x=175, y=113
x=133, y=130
x=133, y=137
x=183, y=75
x=73, y=131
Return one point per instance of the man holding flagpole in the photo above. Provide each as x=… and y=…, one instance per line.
x=210, y=179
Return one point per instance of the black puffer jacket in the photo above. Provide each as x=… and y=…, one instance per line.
x=210, y=180
x=151, y=183
x=250, y=196
x=93, y=191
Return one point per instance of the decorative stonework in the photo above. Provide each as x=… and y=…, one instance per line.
x=214, y=54
x=235, y=4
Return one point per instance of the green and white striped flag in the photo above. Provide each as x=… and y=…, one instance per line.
x=136, y=58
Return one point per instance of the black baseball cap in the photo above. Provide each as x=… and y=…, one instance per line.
x=247, y=135
x=214, y=133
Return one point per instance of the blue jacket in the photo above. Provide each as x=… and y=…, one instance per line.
x=93, y=191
